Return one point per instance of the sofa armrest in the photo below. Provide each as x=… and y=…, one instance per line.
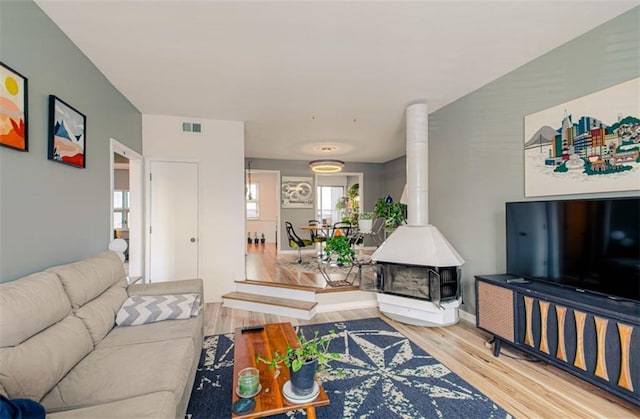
x=169, y=287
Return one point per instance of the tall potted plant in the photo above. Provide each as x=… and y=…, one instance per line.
x=311, y=356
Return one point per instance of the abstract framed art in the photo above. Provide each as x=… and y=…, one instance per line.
x=297, y=192
x=587, y=145
x=67, y=133
x=13, y=109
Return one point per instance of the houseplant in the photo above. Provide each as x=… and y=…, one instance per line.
x=349, y=205
x=341, y=246
x=394, y=213
x=311, y=356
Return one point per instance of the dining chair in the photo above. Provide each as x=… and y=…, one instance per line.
x=295, y=240
x=342, y=228
x=317, y=235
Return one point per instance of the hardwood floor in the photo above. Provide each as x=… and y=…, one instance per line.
x=522, y=387
x=262, y=265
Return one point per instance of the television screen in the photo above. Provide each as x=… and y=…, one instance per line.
x=591, y=245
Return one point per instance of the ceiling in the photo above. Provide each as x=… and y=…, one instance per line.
x=304, y=74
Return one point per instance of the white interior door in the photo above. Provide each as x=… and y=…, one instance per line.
x=173, y=232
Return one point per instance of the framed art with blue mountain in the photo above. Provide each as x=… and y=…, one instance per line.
x=67, y=133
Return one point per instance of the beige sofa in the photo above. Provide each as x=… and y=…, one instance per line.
x=59, y=344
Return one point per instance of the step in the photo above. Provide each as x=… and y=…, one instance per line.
x=273, y=289
x=280, y=285
x=347, y=300
x=270, y=305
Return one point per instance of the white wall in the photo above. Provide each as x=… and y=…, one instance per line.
x=268, y=202
x=219, y=149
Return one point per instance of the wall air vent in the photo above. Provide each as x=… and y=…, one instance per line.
x=192, y=127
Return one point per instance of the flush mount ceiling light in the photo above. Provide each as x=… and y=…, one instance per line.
x=326, y=166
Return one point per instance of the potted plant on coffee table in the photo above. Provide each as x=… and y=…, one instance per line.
x=310, y=356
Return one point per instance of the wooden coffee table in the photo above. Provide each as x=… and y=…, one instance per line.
x=270, y=400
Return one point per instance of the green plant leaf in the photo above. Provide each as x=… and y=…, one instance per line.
x=296, y=364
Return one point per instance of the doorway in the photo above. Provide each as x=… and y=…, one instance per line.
x=338, y=197
x=127, y=203
x=173, y=233
x=262, y=205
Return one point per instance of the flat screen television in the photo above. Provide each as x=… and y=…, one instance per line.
x=591, y=245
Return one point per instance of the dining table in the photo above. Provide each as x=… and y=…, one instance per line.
x=323, y=230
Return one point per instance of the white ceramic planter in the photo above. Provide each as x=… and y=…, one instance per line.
x=365, y=226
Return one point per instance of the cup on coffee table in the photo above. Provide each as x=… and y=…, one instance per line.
x=248, y=382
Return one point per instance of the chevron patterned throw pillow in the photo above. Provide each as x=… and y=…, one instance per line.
x=142, y=309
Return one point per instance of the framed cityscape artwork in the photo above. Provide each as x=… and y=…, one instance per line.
x=588, y=145
x=13, y=109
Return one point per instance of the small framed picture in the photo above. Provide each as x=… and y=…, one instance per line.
x=67, y=133
x=13, y=109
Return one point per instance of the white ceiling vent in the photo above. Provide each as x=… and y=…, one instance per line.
x=192, y=127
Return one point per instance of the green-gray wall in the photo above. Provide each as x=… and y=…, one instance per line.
x=395, y=177
x=476, y=143
x=51, y=213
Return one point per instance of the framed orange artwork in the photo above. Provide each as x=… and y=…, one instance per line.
x=13, y=109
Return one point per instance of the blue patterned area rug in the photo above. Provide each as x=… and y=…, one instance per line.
x=385, y=376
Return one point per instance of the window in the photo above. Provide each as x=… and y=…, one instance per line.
x=328, y=198
x=252, y=203
x=120, y=209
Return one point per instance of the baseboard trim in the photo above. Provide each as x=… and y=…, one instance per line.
x=471, y=318
x=327, y=308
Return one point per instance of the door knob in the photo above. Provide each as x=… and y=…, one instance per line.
x=192, y=239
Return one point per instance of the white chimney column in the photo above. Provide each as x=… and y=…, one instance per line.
x=417, y=164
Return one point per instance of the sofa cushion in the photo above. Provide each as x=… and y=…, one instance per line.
x=99, y=315
x=34, y=367
x=184, y=286
x=121, y=372
x=157, y=405
x=143, y=309
x=30, y=305
x=85, y=280
x=156, y=332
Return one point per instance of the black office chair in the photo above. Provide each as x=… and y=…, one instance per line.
x=296, y=241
